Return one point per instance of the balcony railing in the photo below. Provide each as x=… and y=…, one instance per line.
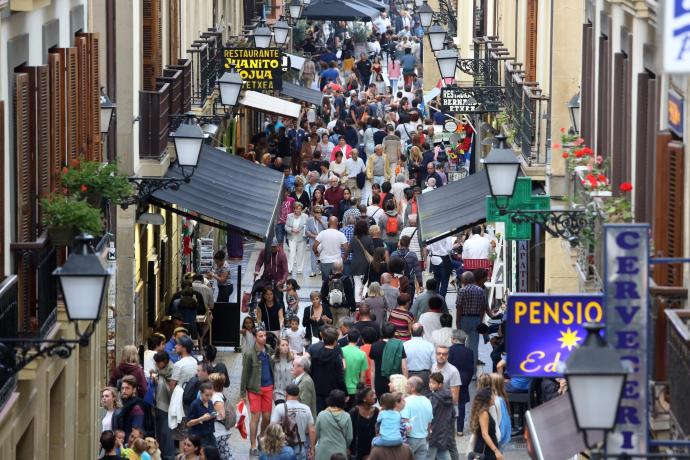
x=526, y=107
x=9, y=327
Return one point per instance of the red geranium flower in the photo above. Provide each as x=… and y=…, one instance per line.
x=579, y=141
x=591, y=177
x=587, y=151
x=579, y=153
x=565, y=155
x=83, y=188
x=626, y=187
x=562, y=130
x=64, y=169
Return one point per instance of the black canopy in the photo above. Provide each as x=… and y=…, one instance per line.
x=339, y=10
x=228, y=189
x=453, y=208
x=301, y=93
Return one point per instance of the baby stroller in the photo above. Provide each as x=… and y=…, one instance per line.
x=257, y=292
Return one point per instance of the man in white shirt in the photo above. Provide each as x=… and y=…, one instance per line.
x=443, y=336
x=476, y=246
x=398, y=188
x=301, y=414
x=440, y=261
x=413, y=232
x=420, y=354
x=431, y=320
x=329, y=245
x=381, y=23
x=354, y=165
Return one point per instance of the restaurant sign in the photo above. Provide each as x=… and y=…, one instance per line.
x=455, y=100
x=260, y=68
x=542, y=330
x=675, y=32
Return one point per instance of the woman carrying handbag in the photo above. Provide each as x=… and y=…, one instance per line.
x=362, y=249
x=483, y=428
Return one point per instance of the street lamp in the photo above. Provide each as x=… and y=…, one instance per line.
x=281, y=29
x=437, y=36
x=502, y=168
x=262, y=35
x=83, y=280
x=295, y=8
x=447, y=60
x=574, y=110
x=107, y=110
x=595, y=377
x=230, y=85
x=426, y=14
x=188, y=140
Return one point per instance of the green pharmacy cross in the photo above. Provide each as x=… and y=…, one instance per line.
x=523, y=210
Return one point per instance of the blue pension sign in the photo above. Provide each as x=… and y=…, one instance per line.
x=676, y=36
x=542, y=330
x=626, y=290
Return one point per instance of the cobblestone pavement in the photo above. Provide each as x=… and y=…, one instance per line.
x=514, y=451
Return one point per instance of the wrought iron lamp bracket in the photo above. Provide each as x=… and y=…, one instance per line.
x=17, y=353
x=567, y=224
x=147, y=186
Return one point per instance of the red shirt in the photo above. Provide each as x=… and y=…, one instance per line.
x=334, y=196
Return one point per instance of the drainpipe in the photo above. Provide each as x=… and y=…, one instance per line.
x=550, y=101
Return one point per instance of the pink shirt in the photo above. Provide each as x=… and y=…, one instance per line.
x=393, y=69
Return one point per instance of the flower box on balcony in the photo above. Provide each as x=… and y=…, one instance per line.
x=679, y=366
x=601, y=193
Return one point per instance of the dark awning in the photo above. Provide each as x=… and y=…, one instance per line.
x=339, y=10
x=453, y=208
x=229, y=190
x=301, y=93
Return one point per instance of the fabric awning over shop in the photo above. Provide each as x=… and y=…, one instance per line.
x=453, y=208
x=301, y=93
x=229, y=190
x=270, y=104
x=339, y=10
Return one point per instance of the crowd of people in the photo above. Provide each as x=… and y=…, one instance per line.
x=375, y=366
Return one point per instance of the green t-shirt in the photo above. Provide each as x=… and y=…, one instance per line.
x=355, y=363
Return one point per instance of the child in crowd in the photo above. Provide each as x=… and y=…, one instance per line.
x=119, y=441
x=389, y=421
x=442, y=437
x=291, y=297
x=295, y=335
x=247, y=332
x=202, y=416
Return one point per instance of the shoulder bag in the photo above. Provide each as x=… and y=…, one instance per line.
x=367, y=256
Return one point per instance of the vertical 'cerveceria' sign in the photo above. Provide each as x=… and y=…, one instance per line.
x=260, y=68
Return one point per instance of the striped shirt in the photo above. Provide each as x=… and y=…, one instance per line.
x=402, y=320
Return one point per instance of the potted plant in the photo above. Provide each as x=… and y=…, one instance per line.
x=619, y=208
x=66, y=216
x=96, y=182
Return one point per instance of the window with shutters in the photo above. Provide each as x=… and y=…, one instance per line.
x=69, y=65
x=90, y=95
x=646, y=121
x=58, y=131
x=668, y=209
x=604, y=98
x=174, y=30
x=153, y=133
x=152, y=42
x=531, y=41
x=82, y=91
x=587, y=88
x=621, y=147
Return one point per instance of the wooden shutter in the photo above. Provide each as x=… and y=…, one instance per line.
x=587, y=88
x=153, y=133
x=3, y=173
x=69, y=63
x=604, y=97
x=531, y=41
x=668, y=209
x=644, y=148
x=82, y=94
x=620, y=147
x=151, y=37
x=185, y=65
x=58, y=131
x=92, y=95
x=174, y=31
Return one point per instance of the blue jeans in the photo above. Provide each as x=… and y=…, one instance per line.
x=441, y=273
x=419, y=447
x=326, y=271
x=300, y=451
x=436, y=454
x=280, y=233
x=378, y=441
x=469, y=325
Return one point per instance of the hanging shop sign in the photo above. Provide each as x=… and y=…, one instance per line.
x=675, y=113
x=626, y=291
x=260, y=68
x=542, y=330
x=456, y=100
x=676, y=36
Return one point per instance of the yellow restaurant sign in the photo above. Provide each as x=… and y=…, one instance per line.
x=260, y=68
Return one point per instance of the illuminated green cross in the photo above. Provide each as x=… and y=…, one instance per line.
x=522, y=199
